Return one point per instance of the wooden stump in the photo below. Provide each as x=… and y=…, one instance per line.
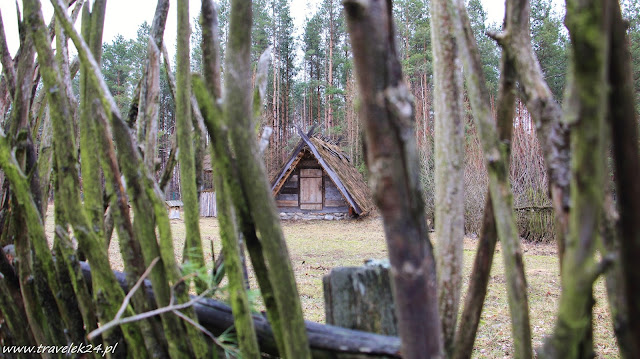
x=360, y=298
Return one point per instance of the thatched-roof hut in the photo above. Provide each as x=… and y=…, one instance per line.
x=320, y=182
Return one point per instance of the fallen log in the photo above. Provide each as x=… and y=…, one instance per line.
x=326, y=341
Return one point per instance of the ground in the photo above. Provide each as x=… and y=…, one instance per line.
x=316, y=247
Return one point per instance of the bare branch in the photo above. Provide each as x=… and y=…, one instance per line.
x=497, y=162
x=134, y=318
x=392, y=158
x=127, y=298
x=552, y=133
x=7, y=62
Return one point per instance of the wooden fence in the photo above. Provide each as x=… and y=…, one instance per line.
x=326, y=341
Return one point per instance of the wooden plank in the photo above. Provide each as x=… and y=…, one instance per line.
x=285, y=190
x=310, y=172
x=208, y=204
x=332, y=196
x=286, y=203
x=311, y=206
x=334, y=203
x=287, y=197
x=309, y=163
x=311, y=190
x=331, y=192
x=288, y=169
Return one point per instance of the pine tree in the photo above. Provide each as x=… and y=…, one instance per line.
x=313, y=70
x=487, y=47
x=117, y=67
x=282, y=77
x=550, y=45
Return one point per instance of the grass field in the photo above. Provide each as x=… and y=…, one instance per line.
x=316, y=247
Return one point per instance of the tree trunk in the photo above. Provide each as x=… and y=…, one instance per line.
x=479, y=281
x=392, y=158
x=496, y=157
x=624, y=131
x=449, y=161
x=192, y=246
x=252, y=180
x=588, y=24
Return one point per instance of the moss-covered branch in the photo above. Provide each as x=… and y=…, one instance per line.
x=624, y=132
x=105, y=286
x=587, y=101
x=192, y=246
x=147, y=121
x=92, y=24
x=225, y=165
x=476, y=294
x=497, y=162
x=233, y=267
x=146, y=203
x=546, y=113
x=252, y=178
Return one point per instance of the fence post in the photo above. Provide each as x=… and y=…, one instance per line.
x=360, y=298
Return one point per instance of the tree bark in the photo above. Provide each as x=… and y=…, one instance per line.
x=587, y=101
x=624, y=131
x=552, y=133
x=252, y=178
x=479, y=280
x=497, y=163
x=387, y=113
x=192, y=246
x=449, y=167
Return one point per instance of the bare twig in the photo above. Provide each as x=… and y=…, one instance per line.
x=7, y=62
x=206, y=332
x=134, y=318
x=127, y=298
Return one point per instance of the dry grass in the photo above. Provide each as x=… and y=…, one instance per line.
x=316, y=247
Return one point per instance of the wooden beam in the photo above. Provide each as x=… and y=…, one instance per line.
x=288, y=169
x=284, y=172
x=286, y=203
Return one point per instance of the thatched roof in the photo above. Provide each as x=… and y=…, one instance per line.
x=339, y=168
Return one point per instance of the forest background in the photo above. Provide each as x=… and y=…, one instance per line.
x=312, y=81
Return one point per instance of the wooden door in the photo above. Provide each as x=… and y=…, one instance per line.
x=311, y=189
